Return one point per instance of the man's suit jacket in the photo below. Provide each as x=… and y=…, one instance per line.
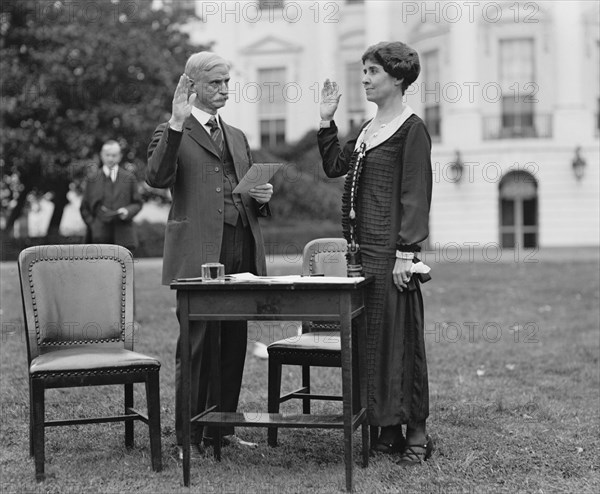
x=187, y=162
x=103, y=227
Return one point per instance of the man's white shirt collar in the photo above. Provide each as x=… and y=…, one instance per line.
x=204, y=117
x=111, y=172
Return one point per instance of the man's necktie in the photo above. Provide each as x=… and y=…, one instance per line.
x=216, y=134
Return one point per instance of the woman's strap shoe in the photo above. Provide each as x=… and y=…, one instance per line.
x=416, y=454
x=390, y=441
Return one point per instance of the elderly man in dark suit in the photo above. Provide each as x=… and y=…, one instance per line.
x=111, y=200
x=201, y=158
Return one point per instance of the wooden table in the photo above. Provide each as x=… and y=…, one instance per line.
x=278, y=299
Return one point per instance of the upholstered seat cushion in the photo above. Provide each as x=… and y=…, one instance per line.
x=89, y=359
x=328, y=341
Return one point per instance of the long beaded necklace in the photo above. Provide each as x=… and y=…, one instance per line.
x=354, y=258
x=355, y=178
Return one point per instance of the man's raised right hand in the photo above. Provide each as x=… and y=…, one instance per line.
x=182, y=104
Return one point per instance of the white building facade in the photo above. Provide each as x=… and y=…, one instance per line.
x=509, y=91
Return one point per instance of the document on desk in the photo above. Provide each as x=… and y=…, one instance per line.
x=293, y=278
x=258, y=174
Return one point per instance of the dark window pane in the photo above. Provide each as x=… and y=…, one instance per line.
x=265, y=133
x=279, y=130
x=508, y=212
x=530, y=212
x=517, y=116
x=432, y=120
x=508, y=240
x=272, y=133
x=530, y=240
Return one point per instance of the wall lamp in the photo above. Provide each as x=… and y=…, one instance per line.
x=456, y=167
x=578, y=164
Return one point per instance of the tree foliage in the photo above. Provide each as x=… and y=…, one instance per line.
x=73, y=75
x=302, y=191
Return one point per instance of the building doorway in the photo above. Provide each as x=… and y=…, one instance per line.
x=518, y=211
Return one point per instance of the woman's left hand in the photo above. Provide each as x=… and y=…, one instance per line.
x=401, y=273
x=261, y=193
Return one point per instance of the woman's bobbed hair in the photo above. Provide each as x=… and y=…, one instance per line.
x=397, y=59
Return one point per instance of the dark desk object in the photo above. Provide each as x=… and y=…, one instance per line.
x=280, y=299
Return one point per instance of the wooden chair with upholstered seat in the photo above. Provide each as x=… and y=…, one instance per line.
x=78, y=305
x=319, y=343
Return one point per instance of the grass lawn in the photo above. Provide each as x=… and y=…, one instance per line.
x=514, y=383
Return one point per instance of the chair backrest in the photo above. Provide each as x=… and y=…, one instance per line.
x=326, y=256
x=75, y=295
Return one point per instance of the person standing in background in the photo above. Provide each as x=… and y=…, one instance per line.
x=110, y=201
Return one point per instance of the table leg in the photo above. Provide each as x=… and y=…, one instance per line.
x=184, y=340
x=359, y=372
x=346, y=348
x=215, y=342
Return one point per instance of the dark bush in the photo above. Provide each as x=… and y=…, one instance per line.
x=151, y=239
x=302, y=191
x=288, y=239
x=11, y=247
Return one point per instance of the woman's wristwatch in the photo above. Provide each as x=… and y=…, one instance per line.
x=409, y=256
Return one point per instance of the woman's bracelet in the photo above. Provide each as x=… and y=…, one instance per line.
x=405, y=255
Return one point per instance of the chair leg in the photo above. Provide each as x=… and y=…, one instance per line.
x=38, y=412
x=128, y=423
x=374, y=434
x=365, y=444
x=306, y=386
x=153, y=402
x=31, y=429
x=274, y=394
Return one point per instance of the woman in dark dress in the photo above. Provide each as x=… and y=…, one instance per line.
x=385, y=209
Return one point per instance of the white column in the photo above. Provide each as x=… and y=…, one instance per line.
x=325, y=50
x=379, y=26
x=571, y=120
x=378, y=21
x=324, y=56
x=461, y=119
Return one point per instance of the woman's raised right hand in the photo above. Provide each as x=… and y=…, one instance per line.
x=330, y=98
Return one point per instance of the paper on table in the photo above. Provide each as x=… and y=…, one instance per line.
x=245, y=277
x=292, y=278
x=258, y=174
x=328, y=279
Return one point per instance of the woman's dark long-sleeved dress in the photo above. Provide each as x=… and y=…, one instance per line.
x=392, y=208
